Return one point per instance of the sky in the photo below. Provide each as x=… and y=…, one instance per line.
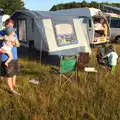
x=47, y=4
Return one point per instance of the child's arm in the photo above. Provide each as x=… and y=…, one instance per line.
x=107, y=55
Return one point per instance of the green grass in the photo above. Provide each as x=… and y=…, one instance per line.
x=88, y=100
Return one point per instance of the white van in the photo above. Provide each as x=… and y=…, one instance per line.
x=114, y=21
x=87, y=17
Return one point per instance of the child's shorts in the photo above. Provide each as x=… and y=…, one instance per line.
x=6, y=48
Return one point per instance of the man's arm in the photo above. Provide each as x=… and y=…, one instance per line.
x=2, y=33
x=2, y=38
x=16, y=43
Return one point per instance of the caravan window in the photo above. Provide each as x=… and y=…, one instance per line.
x=22, y=30
x=65, y=34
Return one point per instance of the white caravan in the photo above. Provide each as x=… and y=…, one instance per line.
x=54, y=33
x=98, y=34
x=114, y=21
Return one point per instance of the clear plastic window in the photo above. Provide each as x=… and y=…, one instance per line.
x=65, y=34
x=22, y=30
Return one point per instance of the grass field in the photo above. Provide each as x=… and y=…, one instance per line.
x=87, y=100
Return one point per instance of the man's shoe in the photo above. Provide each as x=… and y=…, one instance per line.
x=15, y=92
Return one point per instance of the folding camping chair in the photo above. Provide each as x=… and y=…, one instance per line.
x=67, y=65
x=83, y=61
x=82, y=64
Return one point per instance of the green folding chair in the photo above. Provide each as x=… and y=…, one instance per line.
x=67, y=65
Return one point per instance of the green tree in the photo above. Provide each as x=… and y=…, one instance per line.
x=9, y=6
x=65, y=6
x=94, y=4
x=82, y=4
x=53, y=8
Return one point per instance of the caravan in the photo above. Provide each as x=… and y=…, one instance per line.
x=95, y=22
x=54, y=33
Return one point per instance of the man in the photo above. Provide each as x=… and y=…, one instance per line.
x=10, y=71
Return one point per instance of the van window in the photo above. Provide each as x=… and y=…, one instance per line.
x=65, y=34
x=90, y=23
x=115, y=23
x=86, y=20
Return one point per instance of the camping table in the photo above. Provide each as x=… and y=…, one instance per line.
x=88, y=70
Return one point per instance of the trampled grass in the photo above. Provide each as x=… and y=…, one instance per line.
x=86, y=100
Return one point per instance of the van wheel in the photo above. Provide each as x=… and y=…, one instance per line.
x=117, y=39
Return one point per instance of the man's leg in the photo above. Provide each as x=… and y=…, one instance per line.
x=1, y=78
x=9, y=82
x=14, y=81
x=11, y=79
x=10, y=85
x=1, y=71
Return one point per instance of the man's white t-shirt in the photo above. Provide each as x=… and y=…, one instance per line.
x=112, y=58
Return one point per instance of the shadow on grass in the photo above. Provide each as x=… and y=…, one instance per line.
x=8, y=91
x=5, y=90
x=26, y=72
x=34, y=55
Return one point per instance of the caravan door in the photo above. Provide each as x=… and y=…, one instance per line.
x=87, y=22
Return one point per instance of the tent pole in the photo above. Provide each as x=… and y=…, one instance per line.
x=40, y=52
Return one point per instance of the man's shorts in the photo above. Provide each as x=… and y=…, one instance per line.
x=9, y=71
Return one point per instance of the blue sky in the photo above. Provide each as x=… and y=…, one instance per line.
x=47, y=4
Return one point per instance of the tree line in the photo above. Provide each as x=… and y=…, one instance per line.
x=9, y=6
x=82, y=4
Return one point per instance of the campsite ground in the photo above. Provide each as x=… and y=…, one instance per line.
x=47, y=101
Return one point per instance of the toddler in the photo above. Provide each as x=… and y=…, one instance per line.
x=8, y=40
x=112, y=58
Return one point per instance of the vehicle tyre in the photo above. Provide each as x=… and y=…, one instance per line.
x=117, y=40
